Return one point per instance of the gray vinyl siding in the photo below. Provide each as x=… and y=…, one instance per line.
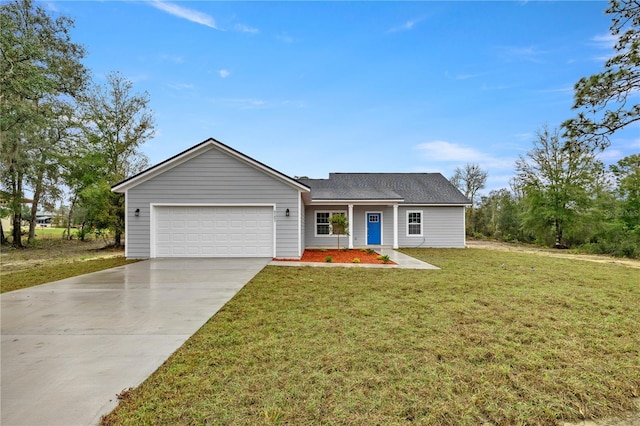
x=213, y=177
x=358, y=222
x=442, y=227
x=323, y=241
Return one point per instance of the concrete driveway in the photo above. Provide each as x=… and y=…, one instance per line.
x=70, y=346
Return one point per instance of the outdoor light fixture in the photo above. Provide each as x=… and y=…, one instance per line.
x=137, y=212
x=286, y=213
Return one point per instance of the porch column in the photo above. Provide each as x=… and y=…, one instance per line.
x=350, y=216
x=395, y=226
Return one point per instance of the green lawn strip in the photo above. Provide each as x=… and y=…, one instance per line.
x=503, y=338
x=44, y=274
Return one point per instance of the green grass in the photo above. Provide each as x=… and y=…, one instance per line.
x=503, y=338
x=50, y=232
x=44, y=274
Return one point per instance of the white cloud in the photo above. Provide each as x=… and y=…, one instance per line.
x=246, y=29
x=465, y=76
x=567, y=89
x=518, y=53
x=49, y=5
x=605, y=41
x=181, y=86
x=461, y=76
x=527, y=137
x=224, y=73
x=253, y=103
x=284, y=37
x=610, y=155
x=407, y=26
x=448, y=152
x=172, y=58
x=183, y=12
x=485, y=86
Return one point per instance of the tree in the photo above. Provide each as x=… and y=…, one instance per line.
x=48, y=148
x=339, y=225
x=469, y=181
x=627, y=175
x=38, y=65
x=498, y=216
x=604, y=97
x=118, y=122
x=557, y=184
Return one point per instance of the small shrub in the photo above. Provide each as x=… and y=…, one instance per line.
x=385, y=258
x=370, y=251
x=345, y=249
x=323, y=250
x=356, y=260
x=328, y=259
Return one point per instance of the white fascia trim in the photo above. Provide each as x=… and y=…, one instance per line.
x=300, y=223
x=433, y=205
x=354, y=202
x=189, y=154
x=126, y=224
x=261, y=166
x=212, y=205
x=275, y=234
x=161, y=168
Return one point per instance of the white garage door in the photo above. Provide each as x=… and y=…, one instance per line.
x=205, y=231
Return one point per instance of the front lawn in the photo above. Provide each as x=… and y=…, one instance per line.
x=497, y=337
x=41, y=274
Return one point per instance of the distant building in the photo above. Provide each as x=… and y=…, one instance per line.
x=5, y=213
x=44, y=220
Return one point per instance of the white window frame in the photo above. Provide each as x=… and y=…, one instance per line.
x=331, y=213
x=421, y=213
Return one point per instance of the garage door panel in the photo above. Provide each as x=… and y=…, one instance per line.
x=214, y=231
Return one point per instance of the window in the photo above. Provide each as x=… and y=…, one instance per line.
x=414, y=223
x=322, y=223
x=323, y=227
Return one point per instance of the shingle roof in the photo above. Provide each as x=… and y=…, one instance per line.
x=405, y=188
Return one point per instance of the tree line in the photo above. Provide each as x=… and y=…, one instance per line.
x=562, y=195
x=59, y=128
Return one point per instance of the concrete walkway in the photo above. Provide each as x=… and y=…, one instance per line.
x=69, y=347
x=402, y=261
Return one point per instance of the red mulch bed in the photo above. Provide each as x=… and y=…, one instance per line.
x=340, y=256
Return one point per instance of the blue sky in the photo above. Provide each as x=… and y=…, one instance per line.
x=316, y=87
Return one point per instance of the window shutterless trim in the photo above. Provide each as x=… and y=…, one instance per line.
x=420, y=222
x=331, y=213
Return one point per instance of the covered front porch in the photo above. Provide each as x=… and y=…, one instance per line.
x=371, y=225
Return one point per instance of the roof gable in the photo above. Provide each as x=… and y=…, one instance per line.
x=404, y=188
x=195, y=151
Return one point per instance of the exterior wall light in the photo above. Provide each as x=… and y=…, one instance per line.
x=286, y=213
x=137, y=212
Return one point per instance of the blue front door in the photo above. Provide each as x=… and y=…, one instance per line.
x=374, y=229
